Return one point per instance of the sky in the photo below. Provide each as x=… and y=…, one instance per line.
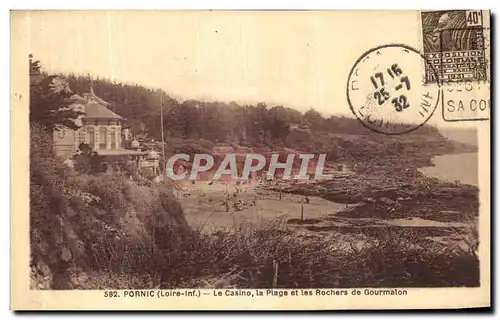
x=296, y=59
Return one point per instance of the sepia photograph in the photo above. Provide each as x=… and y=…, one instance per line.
x=238, y=151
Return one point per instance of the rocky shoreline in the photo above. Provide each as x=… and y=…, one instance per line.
x=394, y=191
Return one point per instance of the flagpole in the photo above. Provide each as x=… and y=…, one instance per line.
x=162, y=137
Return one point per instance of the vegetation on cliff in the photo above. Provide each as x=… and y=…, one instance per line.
x=80, y=220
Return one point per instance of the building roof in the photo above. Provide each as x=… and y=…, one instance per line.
x=95, y=107
x=92, y=97
x=95, y=110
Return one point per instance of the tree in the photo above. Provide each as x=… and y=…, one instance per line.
x=300, y=139
x=313, y=119
x=50, y=99
x=88, y=161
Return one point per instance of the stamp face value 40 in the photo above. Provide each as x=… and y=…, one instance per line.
x=454, y=45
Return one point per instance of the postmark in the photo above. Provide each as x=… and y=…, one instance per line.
x=467, y=100
x=454, y=45
x=385, y=91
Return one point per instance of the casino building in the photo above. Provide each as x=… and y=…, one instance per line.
x=105, y=132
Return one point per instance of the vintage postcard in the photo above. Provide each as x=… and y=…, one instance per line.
x=250, y=160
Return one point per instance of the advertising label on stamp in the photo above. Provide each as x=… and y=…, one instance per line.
x=466, y=101
x=454, y=45
x=385, y=91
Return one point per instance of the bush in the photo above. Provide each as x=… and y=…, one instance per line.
x=95, y=223
x=90, y=164
x=269, y=256
x=300, y=139
x=48, y=184
x=189, y=146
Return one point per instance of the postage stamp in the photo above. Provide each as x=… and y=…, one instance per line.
x=384, y=91
x=454, y=45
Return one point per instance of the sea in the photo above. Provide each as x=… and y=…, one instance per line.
x=451, y=167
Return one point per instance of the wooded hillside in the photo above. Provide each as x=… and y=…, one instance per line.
x=253, y=125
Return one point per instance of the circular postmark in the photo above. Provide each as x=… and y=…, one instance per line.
x=386, y=93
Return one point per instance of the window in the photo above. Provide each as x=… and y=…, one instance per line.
x=91, y=134
x=81, y=137
x=112, y=132
x=103, y=137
